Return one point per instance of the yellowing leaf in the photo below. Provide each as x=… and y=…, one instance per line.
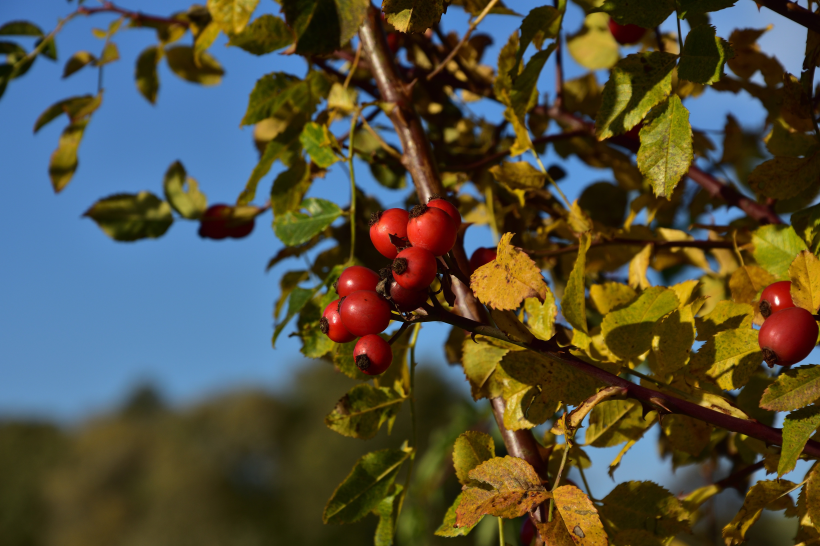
x=412, y=15
x=471, y=449
x=363, y=410
x=64, y=160
x=518, y=175
x=614, y=422
x=448, y=527
x=636, y=84
x=804, y=273
x=806, y=223
x=580, y=516
x=747, y=282
x=541, y=316
x=759, y=496
x=188, y=202
x=129, y=217
x=793, y=389
x=730, y=358
x=509, y=279
x=573, y=304
x=514, y=489
x=725, y=316
x=593, y=46
x=797, y=429
x=207, y=71
x=687, y=434
x=232, y=15
x=479, y=362
x=785, y=177
x=628, y=331
x=813, y=494
x=775, y=247
x=643, y=505
x=146, y=73
x=783, y=141
x=637, y=268
x=672, y=339
x=610, y=295
x=264, y=35
x=666, y=146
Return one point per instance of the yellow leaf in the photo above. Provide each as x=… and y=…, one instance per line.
x=759, y=497
x=637, y=269
x=804, y=273
x=747, y=282
x=580, y=516
x=509, y=279
x=573, y=304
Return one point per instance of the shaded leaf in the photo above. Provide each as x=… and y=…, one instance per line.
x=593, y=46
x=388, y=512
x=541, y=316
x=289, y=188
x=146, y=73
x=278, y=91
x=759, y=496
x=687, y=434
x=730, y=358
x=509, y=279
x=323, y=26
x=470, y=450
x=294, y=227
x=287, y=284
x=363, y=410
x=204, y=40
x=20, y=28
x=130, y=217
x=110, y=54
x=573, y=304
x=806, y=223
x=747, y=282
x=775, y=247
x=524, y=93
x=77, y=61
x=264, y=35
x=611, y=295
x=793, y=389
x=181, y=61
x=628, y=331
x=518, y=175
x=74, y=107
x=285, y=146
x=613, y=422
x=412, y=15
x=232, y=15
x=188, y=202
x=540, y=23
x=724, y=316
x=704, y=55
x=797, y=429
x=644, y=13
x=672, y=339
x=643, y=505
x=480, y=360
x=666, y=146
x=804, y=273
x=785, y=177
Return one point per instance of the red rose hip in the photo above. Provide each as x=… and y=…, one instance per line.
x=356, y=278
x=364, y=312
x=331, y=324
x=448, y=207
x=414, y=268
x=383, y=225
x=217, y=222
x=432, y=229
x=407, y=300
x=373, y=355
x=776, y=297
x=626, y=34
x=788, y=336
x=482, y=256
x=527, y=534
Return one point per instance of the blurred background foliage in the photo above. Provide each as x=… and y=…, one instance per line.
x=249, y=468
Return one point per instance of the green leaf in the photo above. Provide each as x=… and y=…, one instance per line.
x=287, y=284
x=285, y=147
x=363, y=410
x=480, y=360
x=294, y=227
x=628, y=331
x=75, y=108
x=726, y=315
x=146, y=73
x=730, y=358
x=806, y=224
x=666, y=146
x=761, y=495
x=78, y=61
x=593, y=46
x=785, y=177
x=188, y=202
x=289, y=188
x=365, y=487
x=793, y=389
x=20, y=28
x=689, y=8
x=636, y=84
x=315, y=344
x=232, y=15
x=323, y=26
x=278, y=91
x=775, y=246
x=573, y=304
x=643, y=505
x=704, y=55
x=524, y=93
x=344, y=362
x=514, y=489
x=130, y=217
x=265, y=35
x=320, y=144
x=181, y=61
x=412, y=15
x=388, y=512
x=644, y=13
x=540, y=24
x=296, y=301
x=109, y=55
x=64, y=160
x=797, y=429
x=471, y=449
x=541, y=316
x=448, y=527
x=204, y=40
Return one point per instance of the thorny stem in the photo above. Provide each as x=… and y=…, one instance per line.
x=353, y=120
x=463, y=40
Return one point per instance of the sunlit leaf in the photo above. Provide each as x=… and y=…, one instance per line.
x=412, y=15
x=130, y=217
x=232, y=15
x=295, y=227
x=794, y=388
x=666, y=146
x=188, y=202
x=509, y=279
x=264, y=35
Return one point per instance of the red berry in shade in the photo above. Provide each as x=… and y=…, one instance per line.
x=331, y=324
x=527, y=534
x=775, y=297
x=372, y=354
x=355, y=278
x=482, y=256
x=383, y=225
x=217, y=223
x=364, y=312
x=448, y=207
x=635, y=132
x=432, y=229
x=788, y=336
x=393, y=41
x=414, y=268
x=407, y=300
x=626, y=34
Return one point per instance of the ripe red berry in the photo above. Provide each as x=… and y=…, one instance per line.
x=482, y=256
x=393, y=41
x=383, y=225
x=626, y=34
x=775, y=297
x=448, y=207
x=432, y=229
x=407, y=300
x=217, y=223
x=788, y=336
x=364, y=312
x=331, y=324
x=527, y=534
x=355, y=278
x=372, y=354
x=414, y=268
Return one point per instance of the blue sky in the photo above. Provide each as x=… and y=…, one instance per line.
x=83, y=319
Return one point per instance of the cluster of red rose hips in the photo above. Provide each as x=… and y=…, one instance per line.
x=413, y=241
x=788, y=333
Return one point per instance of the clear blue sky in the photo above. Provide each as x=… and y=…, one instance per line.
x=83, y=318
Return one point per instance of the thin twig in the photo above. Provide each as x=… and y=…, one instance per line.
x=559, y=69
x=136, y=16
x=706, y=244
x=464, y=39
x=791, y=10
x=385, y=146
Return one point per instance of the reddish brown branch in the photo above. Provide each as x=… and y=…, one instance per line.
x=137, y=17
x=792, y=11
x=639, y=242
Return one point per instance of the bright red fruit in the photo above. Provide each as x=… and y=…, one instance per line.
x=527, y=534
x=383, y=225
x=448, y=207
x=788, y=336
x=432, y=229
x=355, y=278
x=372, y=354
x=216, y=223
x=482, y=256
x=626, y=34
x=365, y=312
x=414, y=268
x=331, y=324
x=407, y=300
x=775, y=297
